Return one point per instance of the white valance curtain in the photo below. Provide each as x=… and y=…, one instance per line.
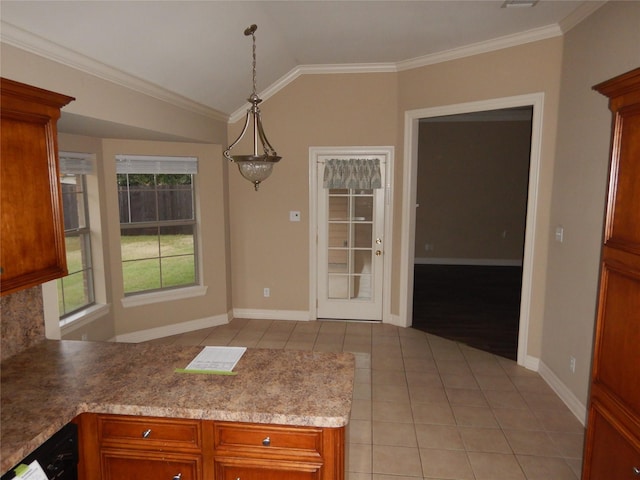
x=356, y=173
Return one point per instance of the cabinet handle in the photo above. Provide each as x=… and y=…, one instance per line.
x=177, y=477
x=266, y=442
x=146, y=433
x=636, y=471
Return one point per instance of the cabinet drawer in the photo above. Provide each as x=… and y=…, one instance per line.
x=235, y=470
x=268, y=439
x=149, y=433
x=128, y=465
x=612, y=456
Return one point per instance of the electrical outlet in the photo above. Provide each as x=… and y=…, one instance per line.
x=84, y=336
x=572, y=364
x=266, y=292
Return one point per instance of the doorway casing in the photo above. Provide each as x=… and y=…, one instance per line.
x=386, y=152
x=410, y=170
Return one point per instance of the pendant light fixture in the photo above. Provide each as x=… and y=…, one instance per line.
x=255, y=167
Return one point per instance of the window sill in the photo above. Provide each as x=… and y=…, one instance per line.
x=83, y=317
x=164, y=296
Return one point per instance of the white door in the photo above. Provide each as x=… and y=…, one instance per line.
x=350, y=249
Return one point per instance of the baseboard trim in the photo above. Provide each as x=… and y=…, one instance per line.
x=570, y=400
x=531, y=363
x=295, y=315
x=487, y=262
x=174, y=329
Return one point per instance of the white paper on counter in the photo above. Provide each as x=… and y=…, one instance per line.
x=219, y=359
x=32, y=471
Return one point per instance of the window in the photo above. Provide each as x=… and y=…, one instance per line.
x=75, y=291
x=158, y=224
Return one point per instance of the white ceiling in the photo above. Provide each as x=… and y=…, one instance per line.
x=198, y=50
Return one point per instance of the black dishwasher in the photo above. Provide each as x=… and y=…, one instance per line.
x=58, y=456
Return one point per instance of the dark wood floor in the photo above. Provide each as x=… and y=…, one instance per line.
x=475, y=305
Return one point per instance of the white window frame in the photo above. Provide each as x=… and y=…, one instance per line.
x=150, y=164
x=54, y=327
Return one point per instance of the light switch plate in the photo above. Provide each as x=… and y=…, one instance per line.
x=294, y=216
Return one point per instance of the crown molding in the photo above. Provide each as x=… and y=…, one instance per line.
x=579, y=14
x=529, y=36
x=327, y=69
x=24, y=40
x=19, y=38
x=500, y=43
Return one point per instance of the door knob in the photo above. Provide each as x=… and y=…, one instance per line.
x=378, y=253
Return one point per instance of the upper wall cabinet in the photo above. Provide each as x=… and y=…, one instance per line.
x=32, y=249
x=612, y=446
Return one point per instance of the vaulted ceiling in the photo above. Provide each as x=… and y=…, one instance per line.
x=197, y=50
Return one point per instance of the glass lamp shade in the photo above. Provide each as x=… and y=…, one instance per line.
x=255, y=170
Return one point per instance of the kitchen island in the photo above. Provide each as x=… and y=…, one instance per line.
x=55, y=382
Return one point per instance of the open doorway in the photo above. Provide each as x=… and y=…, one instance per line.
x=471, y=193
x=410, y=167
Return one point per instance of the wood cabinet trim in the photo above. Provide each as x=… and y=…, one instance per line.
x=29, y=115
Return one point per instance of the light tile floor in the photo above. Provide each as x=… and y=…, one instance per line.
x=429, y=408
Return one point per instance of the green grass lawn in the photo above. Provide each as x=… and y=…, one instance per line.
x=142, y=268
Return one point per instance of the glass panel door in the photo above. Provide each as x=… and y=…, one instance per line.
x=350, y=246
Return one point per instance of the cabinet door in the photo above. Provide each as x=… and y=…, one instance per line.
x=612, y=455
x=127, y=465
x=239, y=469
x=32, y=226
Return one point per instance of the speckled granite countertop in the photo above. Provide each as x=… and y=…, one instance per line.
x=47, y=385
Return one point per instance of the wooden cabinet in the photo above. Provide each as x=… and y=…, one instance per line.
x=612, y=445
x=265, y=452
x=117, y=447
x=120, y=447
x=32, y=223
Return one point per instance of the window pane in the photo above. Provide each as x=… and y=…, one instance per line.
x=74, y=254
x=363, y=237
x=175, y=202
x=176, y=240
x=362, y=287
x=178, y=271
x=338, y=286
x=338, y=261
x=363, y=208
x=140, y=275
x=71, y=202
x=338, y=208
x=165, y=203
x=73, y=293
x=142, y=202
x=338, y=235
x=139, y=243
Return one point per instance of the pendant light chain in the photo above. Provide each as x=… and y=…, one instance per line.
x=253, y=36
x=256, y=166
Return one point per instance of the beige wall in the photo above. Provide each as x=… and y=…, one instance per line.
x=266, y=250
x=605, y=45
x=526, y=69
x=106, y=101
x=472, y=191
x=315, y=110
x=104, y=327
x=210, y=212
